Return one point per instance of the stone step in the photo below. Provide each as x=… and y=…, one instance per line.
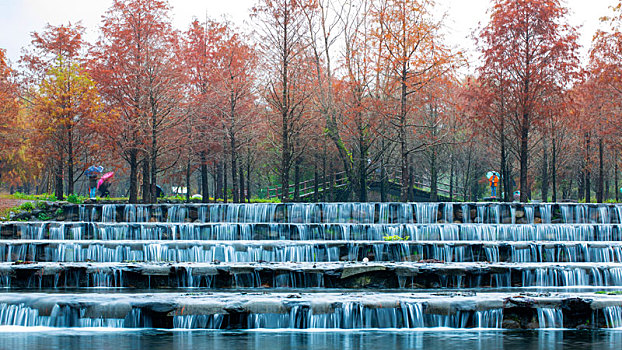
x=312, y=310
x=342, y=275
x=348, y=212
x=350, y=232
x=305, y=251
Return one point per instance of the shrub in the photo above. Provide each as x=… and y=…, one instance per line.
x=75, y=199
x=43, y=217
x=395, y=238
x=27, y=206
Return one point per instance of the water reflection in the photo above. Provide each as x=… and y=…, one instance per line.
x=347, y=340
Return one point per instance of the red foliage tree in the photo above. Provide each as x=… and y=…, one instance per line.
x=136, y=68
x=531, y=44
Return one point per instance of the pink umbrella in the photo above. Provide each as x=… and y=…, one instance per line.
x=104, y=178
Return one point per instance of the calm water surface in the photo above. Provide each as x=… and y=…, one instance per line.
x=16, y=338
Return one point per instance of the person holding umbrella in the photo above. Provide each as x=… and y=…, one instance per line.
x=92, y=174
x=104, y=183
x=493, y=178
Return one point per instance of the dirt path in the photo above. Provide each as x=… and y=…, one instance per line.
x=8, y=203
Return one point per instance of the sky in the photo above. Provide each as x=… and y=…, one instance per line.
x=19, y=18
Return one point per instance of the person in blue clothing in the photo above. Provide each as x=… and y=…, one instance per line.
x=494, y=183
x=92, y=173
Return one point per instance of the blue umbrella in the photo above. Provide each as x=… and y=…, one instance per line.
x=93, y=170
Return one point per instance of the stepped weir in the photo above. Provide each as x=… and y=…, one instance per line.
x=315, y=266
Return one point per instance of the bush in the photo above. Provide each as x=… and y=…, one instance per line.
x=27, y=206
x=395, y=238
x=75, y=199
x=58, y=212
x=41, y=205
x=43, y=217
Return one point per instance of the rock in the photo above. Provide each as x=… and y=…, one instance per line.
x=510, y=324
x=533, y=325
x=537, y=220
x=431, y=261
x=357, y=270
x=519, y=213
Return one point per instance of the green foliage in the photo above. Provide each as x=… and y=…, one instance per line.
x=605, y=292
x=75, y=199
x=43, y=217
x=27, y=206
x=34, y=197
x=41, y=205
x=58, y=212
x=395, y=238
x=262, y=200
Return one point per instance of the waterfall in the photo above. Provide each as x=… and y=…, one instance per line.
x=426, y=213
x=567, y=214
x=198, y=321
x=466, y=213
x=489, y=318
x=176, y=213
x=581, y=214
x=494, y=214
x=550, y=318
x=109, y=213
x=481, y=214
x=603, y=215
x=448, y=213
x=613, y=316
x=546, y=213
x=618, y=209
x=529, y=214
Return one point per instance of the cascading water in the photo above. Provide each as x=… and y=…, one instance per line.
x=353, y=250
x=550, y=318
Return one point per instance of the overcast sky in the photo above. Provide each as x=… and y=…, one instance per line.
x=19, y=18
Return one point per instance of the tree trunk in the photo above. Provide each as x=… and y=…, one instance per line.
x=146, y=184
x=524, y=154
x=188, y=180
x=154, y=160
x=615, y=176
x=467, y=174
x=70, y=182
x=297, y=180
x=451, y=175
x=204, y=189
x=411, y=185
x=545, y=175
x=58, y=178
x=324, y=178
x=242, y=195
x=362, y=170
x=225, y=194
x=133, y=177
x=332, y=183
x=248, y=177
x=601, y=172
x=554, y=171
x=402, y=137
x=383, y=182
x=505, y=173
x=433, y=177
x=581, y=185
x=234, y=171
x=219, y=181
x=588, y=175
x=316, y=185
